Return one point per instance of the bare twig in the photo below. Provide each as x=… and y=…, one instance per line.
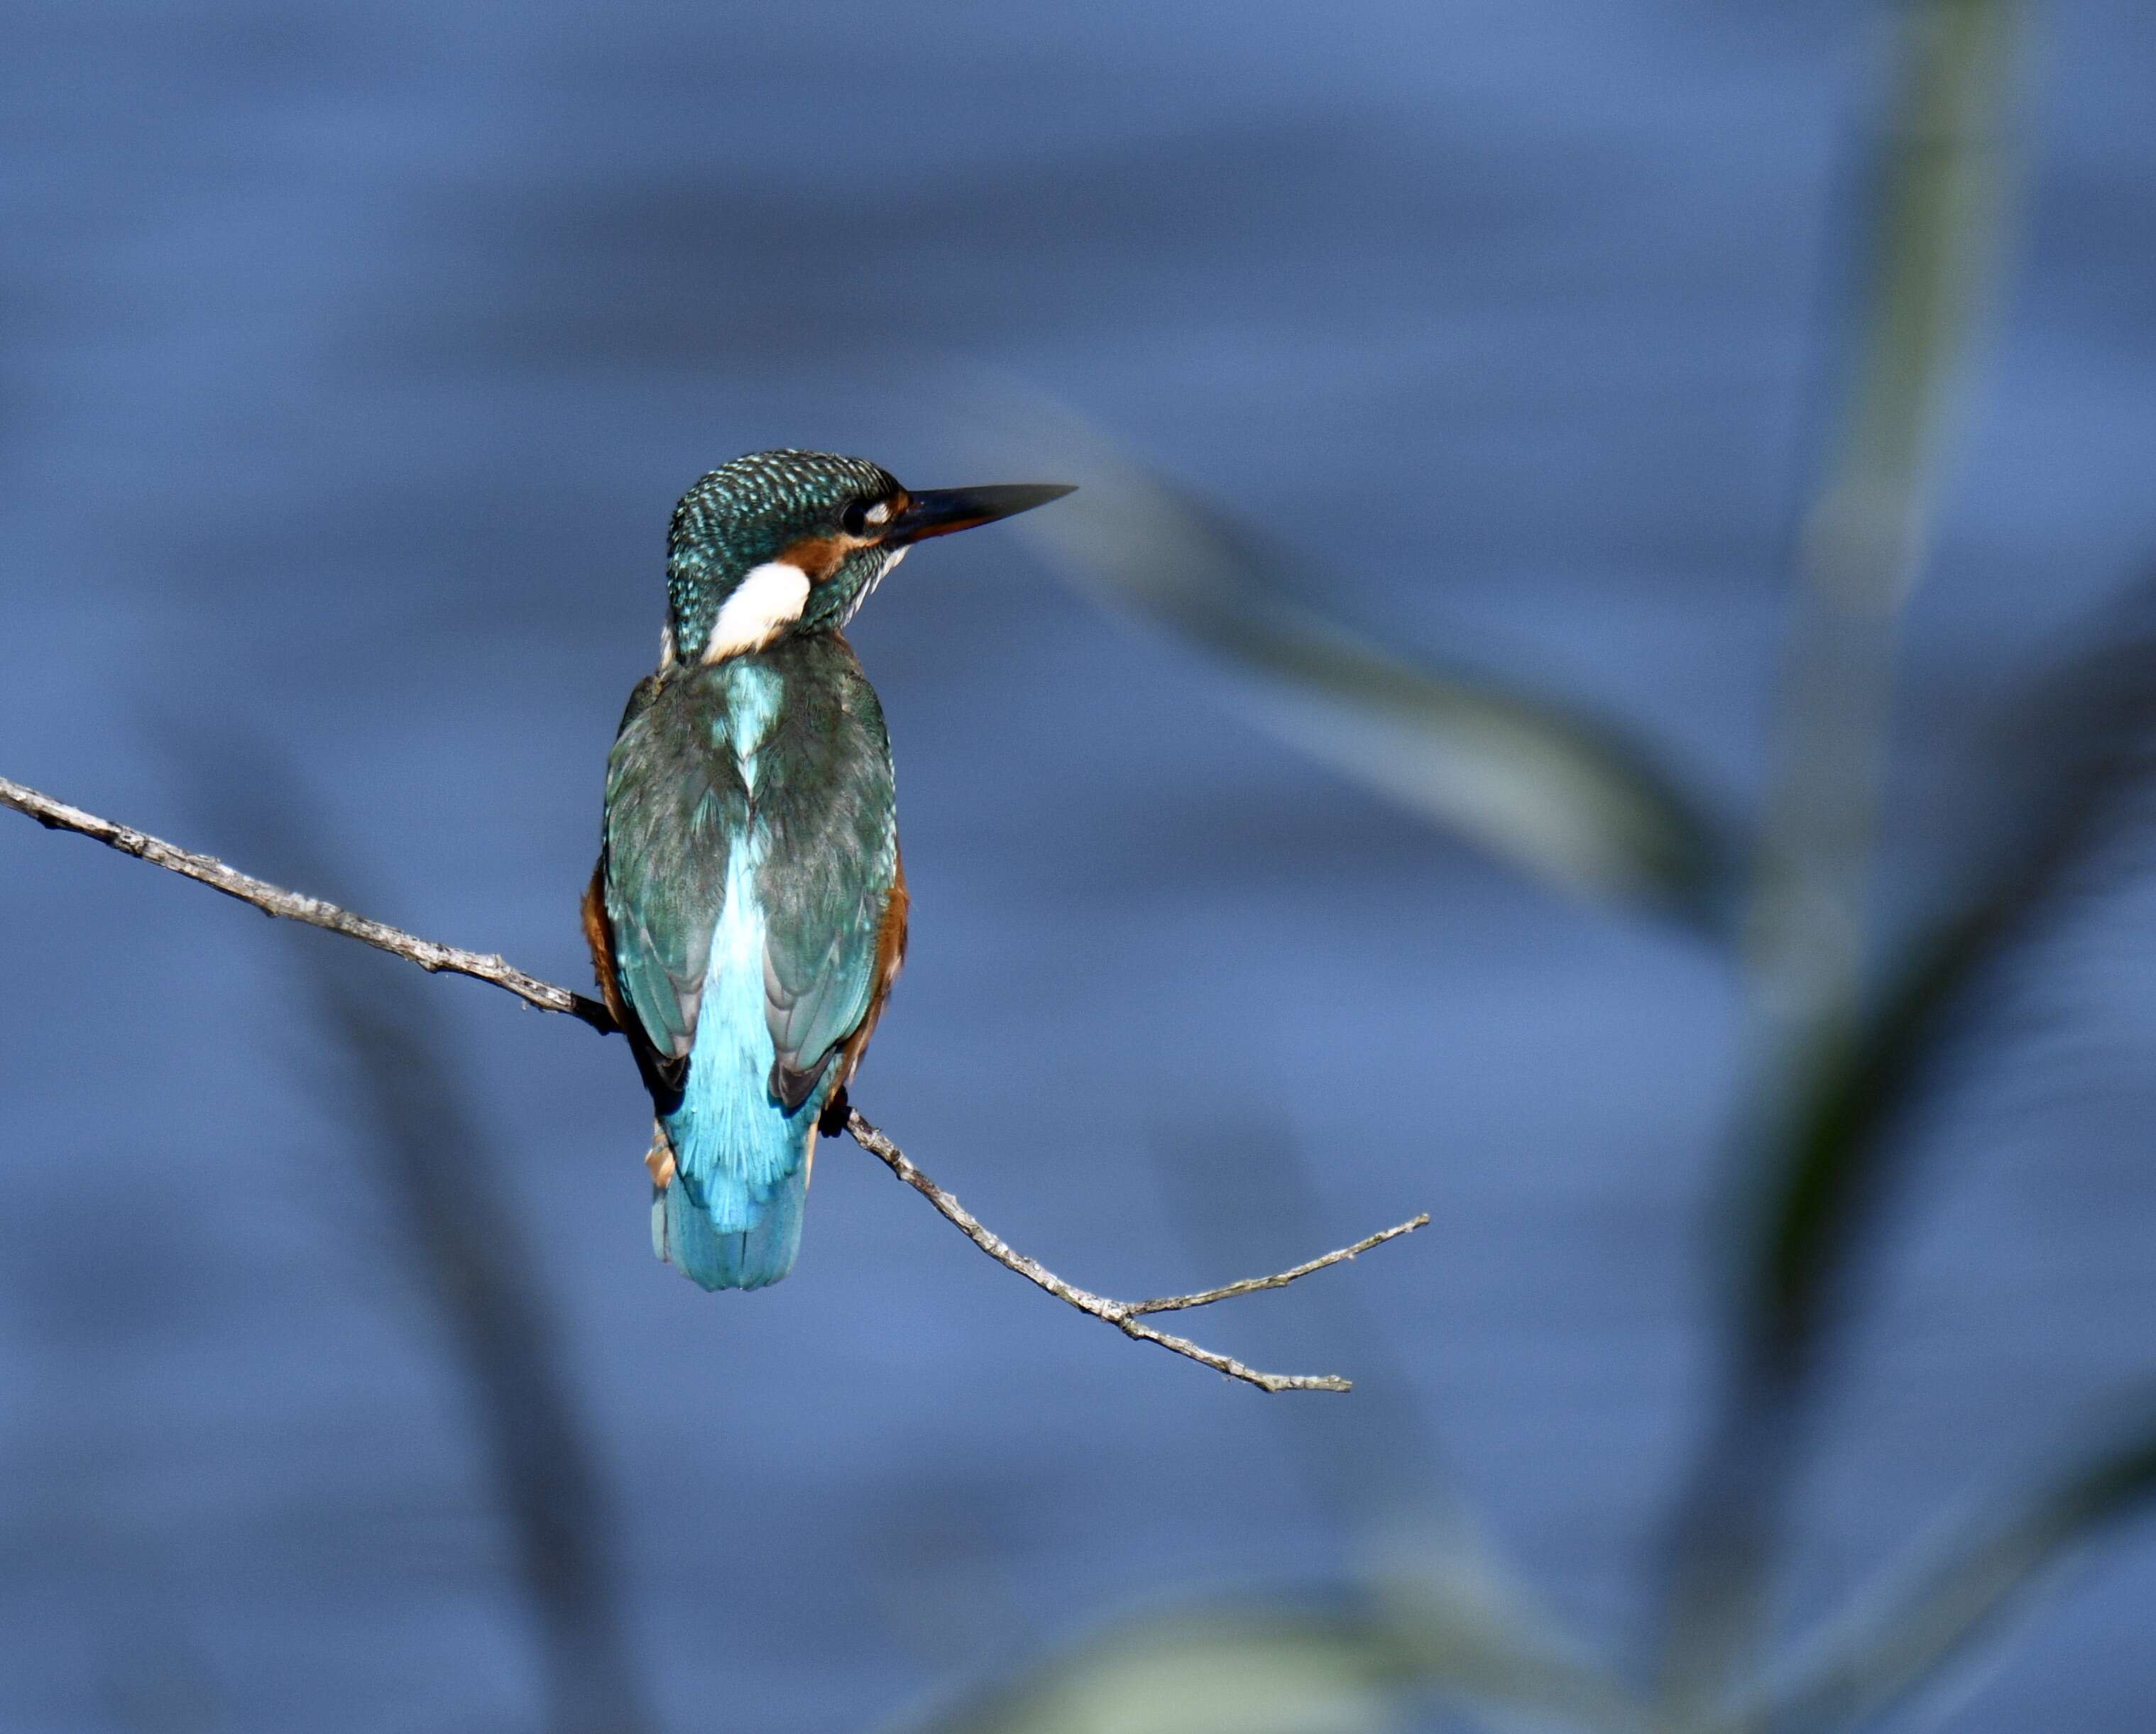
x=291, y=906
x=1279, y=1280
x=1123, y=1315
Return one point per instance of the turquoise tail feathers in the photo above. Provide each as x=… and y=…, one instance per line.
x=731, y=1219
x=683, y=1234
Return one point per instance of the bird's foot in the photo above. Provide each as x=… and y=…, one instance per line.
x=836, y=1112
x=659, y=1158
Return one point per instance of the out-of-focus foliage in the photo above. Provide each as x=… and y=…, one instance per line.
x=1561, y=796
x=1844, y=1050
x=2088, y=734
x=1891, y=1642
x=452, y=1204
x=1922, y=243
x=1367, y=1662
x=1254, y=1670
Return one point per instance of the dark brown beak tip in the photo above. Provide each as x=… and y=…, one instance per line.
x=1043, y=492
x=942, y=511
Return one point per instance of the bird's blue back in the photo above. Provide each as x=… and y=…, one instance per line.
x=751, y=850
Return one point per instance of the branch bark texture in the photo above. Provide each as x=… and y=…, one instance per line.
x=1128, y=1316
x=295, y=907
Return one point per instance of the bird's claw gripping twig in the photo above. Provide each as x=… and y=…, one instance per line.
x=832, y=1120
x=659, y=1157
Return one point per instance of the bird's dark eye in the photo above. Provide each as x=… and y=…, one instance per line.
x=866, y=517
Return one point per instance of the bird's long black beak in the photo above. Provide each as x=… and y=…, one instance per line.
x=944, y=509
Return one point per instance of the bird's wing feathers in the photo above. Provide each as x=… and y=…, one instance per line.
x=827, y=881
x=812, y=1003
x=670, y=797
x=822, y=799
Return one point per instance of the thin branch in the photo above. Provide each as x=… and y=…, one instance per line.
x=1125, y=1316
x=1280, y=1280
x=292, y=907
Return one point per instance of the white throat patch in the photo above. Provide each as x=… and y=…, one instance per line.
x=768, y=600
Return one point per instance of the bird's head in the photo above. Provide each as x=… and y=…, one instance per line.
x=778, y=543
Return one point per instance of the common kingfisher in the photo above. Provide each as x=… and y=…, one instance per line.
x=748, y=912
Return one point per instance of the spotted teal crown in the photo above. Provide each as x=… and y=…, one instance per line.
x=750, y=511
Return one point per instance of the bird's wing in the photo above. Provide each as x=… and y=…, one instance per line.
x=673, y=796
x=830, y=881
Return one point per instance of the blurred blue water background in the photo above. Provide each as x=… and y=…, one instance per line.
x=352, y=358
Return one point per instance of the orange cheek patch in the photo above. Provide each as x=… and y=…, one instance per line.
x=818, y=555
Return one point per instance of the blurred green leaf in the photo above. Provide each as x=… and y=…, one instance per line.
x=1893, y=1643
x=407, y=1092
x=2084, y=733
x=1289, y=1667
x=1830, y=1166
x=1253, y=1672
x=1828, y=1143
x=1934, y=219
x=1562, y=797
x=1922, y=236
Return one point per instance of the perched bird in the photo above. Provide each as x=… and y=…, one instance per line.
x=748, y=915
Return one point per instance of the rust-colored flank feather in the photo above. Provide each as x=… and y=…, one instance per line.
x=890, y=959
x=598, y=935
